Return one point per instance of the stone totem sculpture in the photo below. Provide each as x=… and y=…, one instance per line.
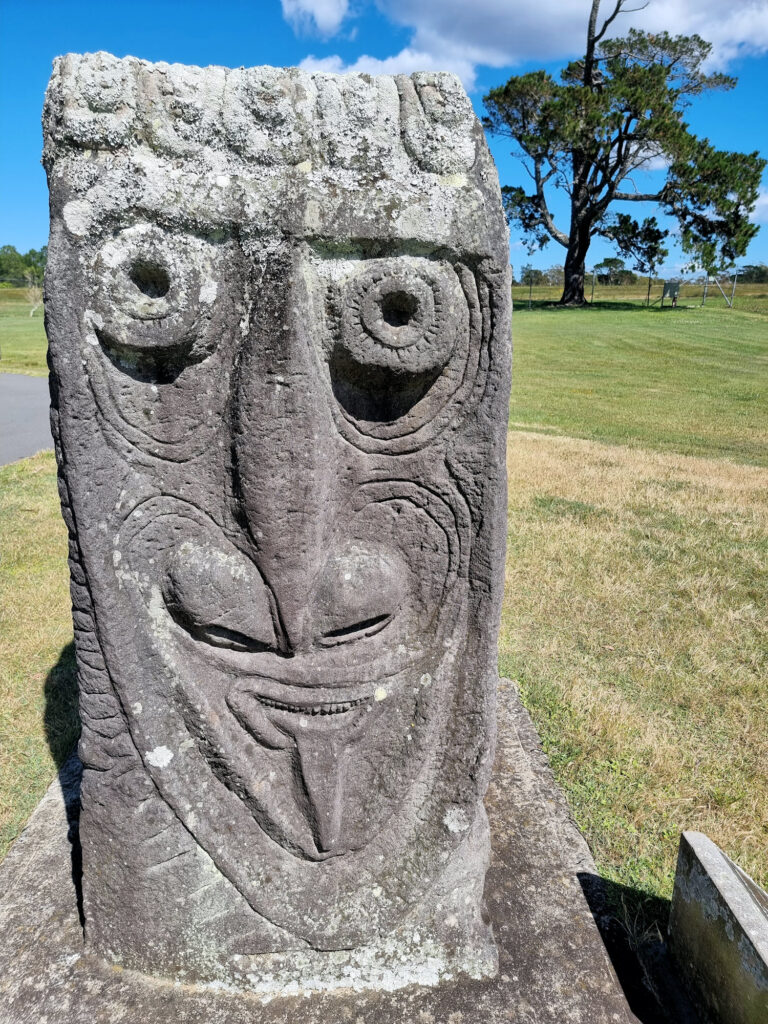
x=278, y=311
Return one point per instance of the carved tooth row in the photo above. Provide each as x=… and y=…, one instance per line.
x=318, y=709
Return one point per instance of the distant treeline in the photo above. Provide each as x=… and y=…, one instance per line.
x=754, y=274
x=612, y=271
x=20, y=269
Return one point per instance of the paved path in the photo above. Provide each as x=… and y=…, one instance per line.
x=24, y=427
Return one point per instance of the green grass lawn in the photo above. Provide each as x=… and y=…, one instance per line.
x=38, y=723
x=635, y=618
x=22, y=337
x=749, y=298
x=688, y=380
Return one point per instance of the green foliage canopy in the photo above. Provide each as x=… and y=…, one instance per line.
x=612, y=271
x=615, y=111
x=641, y=242
x=18, y=269
x=754, y=273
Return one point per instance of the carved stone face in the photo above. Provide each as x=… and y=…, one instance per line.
x=277, y=309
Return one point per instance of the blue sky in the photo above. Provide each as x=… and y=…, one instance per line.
x=484, y=41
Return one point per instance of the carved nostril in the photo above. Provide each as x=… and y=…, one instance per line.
x=355, y=631
x=360, y=590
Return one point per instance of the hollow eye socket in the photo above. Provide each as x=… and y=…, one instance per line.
x=398, y=308
x=396, y=335
x=150, y=277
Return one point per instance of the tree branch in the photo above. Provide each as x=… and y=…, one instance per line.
x=546, y=216
x=638, y=197
x=618, y=9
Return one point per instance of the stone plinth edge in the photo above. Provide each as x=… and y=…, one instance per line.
x=553, y=965
x=718, y=934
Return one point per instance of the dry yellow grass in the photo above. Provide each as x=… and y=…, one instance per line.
x=635, y=622
x=37, y=721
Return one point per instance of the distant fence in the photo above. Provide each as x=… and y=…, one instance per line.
x=691, y=293
x=18, y=282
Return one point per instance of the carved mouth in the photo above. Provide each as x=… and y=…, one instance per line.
x=337, y=708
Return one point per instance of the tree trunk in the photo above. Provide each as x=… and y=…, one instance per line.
x=579, y=235
x=575, y=257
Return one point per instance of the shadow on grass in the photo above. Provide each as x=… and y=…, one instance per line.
x=61, y=717
x=61, y=720
x=548, y=306
x=633, y=926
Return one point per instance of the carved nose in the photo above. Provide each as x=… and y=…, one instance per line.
x=285, y=455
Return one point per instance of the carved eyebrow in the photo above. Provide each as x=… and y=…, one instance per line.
x=380, y=248
x=111, y=223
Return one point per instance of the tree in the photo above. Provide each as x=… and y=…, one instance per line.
x=532, y=276
x=554, y=276
x=35, y=261
x=609, y=270
x=14, y=267
x=33, y=291
x=754, y=274
x=640, y=242
x=618, y=108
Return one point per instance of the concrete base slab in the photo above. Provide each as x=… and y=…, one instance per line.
x=553, y=966
x=718, y=934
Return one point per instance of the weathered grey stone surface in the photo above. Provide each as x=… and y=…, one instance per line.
x=718, y=934
x=278, y=312
x=553, y=967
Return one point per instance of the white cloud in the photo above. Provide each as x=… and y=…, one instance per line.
x=736, y=29
x=654, y=162
x=506, y=33
x=760, y=213
x=492, y=32
x=403, y=63
x=456, y=35
x=325, y=16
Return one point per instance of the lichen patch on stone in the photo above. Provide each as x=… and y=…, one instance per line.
x=160, y=757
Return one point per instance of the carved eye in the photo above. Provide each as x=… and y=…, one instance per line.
x=398, y=309
x=397, y=331
x=150, y=277
x=147, y=274
x=153, y=290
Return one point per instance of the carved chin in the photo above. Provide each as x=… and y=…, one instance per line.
x=322, y=778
